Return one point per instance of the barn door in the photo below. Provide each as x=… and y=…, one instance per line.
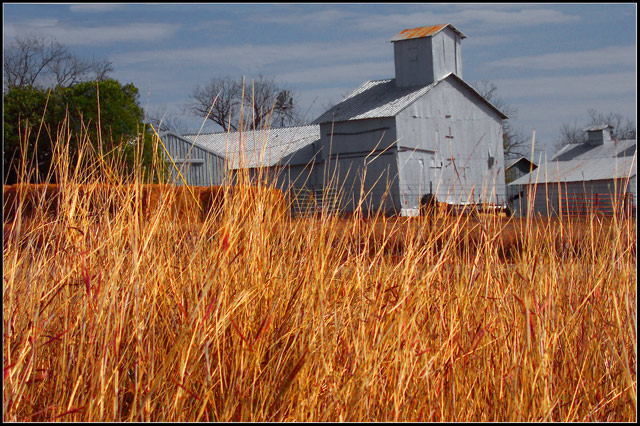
x=419, y=179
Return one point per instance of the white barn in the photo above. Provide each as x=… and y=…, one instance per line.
x=391, y=141
x=595, y=176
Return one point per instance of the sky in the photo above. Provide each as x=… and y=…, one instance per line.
x=550, y=62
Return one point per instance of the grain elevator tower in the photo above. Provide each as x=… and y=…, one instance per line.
x=425, y=55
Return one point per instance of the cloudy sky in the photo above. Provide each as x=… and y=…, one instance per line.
x=552, y=62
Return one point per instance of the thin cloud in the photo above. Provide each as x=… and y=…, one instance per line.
x=575, y=87
x=525, y=17
x=614, y=56
x=294, y=55
x=97, y=35
x=317, y=18
x=477, y=17
x=94, y=8
x=340, y=73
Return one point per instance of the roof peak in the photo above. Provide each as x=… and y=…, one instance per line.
x=421, y=32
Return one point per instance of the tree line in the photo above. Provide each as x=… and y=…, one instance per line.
x=45, y=85
x=47, y=89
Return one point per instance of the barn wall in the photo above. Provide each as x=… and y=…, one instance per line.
x=417, y=178
x=413, y=62
x=548, y=196
x=518, y=170
x=360, y=155
x=427, y=59
x=460, y=137
x=198, y=166
x=446, y=48
x=285, y=177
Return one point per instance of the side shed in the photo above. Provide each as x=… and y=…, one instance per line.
x=515, y=168
x=199, y=165
x=285, y=156
x=596, y=176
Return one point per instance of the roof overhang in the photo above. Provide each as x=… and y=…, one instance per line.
x=474, y=91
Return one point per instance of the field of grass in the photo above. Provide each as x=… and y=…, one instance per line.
x=251, y=315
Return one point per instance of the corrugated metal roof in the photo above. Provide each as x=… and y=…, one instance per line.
x=612, y=149
x=421, y=32
x=382, y=98
x=166, y=134
x=587, y=163
x=374, y=99
x=596, y=128
x=261, y=148
x=580, y=170
x=513, y=161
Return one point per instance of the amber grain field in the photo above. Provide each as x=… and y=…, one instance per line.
x=113, y=311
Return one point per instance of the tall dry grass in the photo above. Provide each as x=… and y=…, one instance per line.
x=251, y=315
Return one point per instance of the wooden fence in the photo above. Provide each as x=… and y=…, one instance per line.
x=603, y=204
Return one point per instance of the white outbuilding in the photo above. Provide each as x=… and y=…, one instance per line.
x=392, y=141
x=595, y=176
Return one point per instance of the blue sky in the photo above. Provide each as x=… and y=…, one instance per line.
x=552, y=62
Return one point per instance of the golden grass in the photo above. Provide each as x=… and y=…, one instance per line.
x=250, y=315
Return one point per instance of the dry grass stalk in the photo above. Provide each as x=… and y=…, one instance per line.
x=248, y=314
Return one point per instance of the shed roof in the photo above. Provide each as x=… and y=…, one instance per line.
x=188, y=141
x=262, y=148
x=583, y=162
x=580, y=170
x=508, y=163
x=583, y=150
x=421, y=32
x=597, y=127
x=382, y=98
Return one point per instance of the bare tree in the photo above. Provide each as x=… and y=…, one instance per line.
x=217, y=101
x=27, y=58
x=515, y=143
x=101, y=69
x=40, y=61
x=262, y=101
x=285, y=108
x=165, y=121
x=570, y=134
x=623, y=128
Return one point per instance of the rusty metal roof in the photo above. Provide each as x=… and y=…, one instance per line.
x=421, y=32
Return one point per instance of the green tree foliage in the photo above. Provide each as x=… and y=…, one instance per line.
x=104, y=111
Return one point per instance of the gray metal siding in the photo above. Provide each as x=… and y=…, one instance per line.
x=549, y=197
x=417, y=177
x=465, y=136
x=359, y=157
x=414, y=62
x=446, y=54
x=198, y=166
x=421, y=61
